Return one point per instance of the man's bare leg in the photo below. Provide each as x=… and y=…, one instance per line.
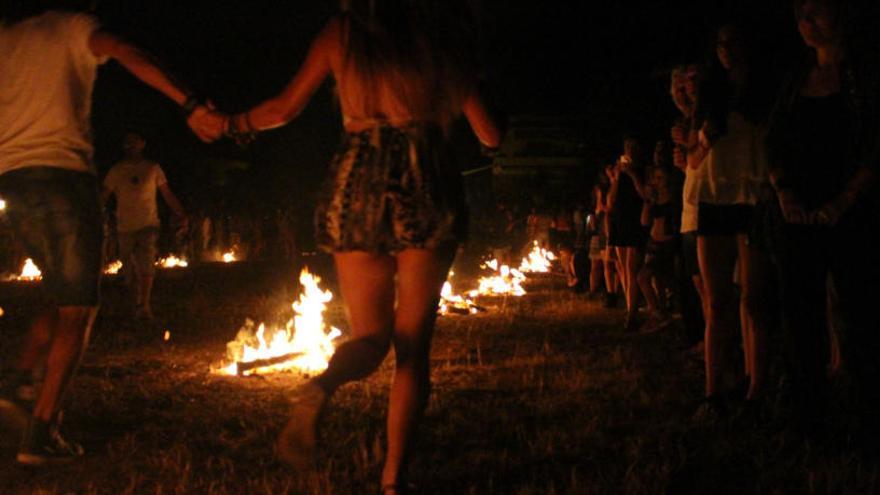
x=68, y=342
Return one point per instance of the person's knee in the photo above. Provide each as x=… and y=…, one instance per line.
x=409, y=351
x=716, y=305
x=377, y=346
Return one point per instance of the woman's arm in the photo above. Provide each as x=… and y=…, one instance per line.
x=481, y=122
x=285, y=106
x=646, y=214
x=698, y=147
x=611, y=198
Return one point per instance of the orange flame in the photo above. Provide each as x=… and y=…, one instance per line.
x=172, y=261
x=454, y=303
x=305, y=338
x=113, y=268
x=30, y=272
x=506, y=281
x=538, y=260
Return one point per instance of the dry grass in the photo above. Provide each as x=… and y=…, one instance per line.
x=545, y=394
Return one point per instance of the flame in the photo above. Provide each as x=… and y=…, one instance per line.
x=506, y=281
x=305, y=337
x=167, y=336
x=172, y=261
x=1, y=311
x=538, y=260
x=229, y=257
x=2, y=204
x=454, y=303
x=113, y=268
x=30, y=272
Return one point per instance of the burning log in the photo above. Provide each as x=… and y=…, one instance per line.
x=305, y=343
x=245, y=366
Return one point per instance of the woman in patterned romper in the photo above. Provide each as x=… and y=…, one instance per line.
x=392, y=210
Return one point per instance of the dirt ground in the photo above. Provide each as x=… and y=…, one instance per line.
x=541, y=394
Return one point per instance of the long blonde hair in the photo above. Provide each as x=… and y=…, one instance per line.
x=420, y=53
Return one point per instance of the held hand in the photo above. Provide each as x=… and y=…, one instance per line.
x=206, y=123
x=829, y=214
x=792, y=209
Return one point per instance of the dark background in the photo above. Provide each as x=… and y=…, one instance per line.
x=602, y=65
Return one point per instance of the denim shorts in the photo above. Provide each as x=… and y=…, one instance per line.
x=56, y=215
x=138, y=250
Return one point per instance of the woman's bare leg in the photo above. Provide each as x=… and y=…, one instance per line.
x=611, y=279
x=717, y=257
x=420, y=276
x=367, y=285
x=633, y=260
x=597, y=271
x=754, y=300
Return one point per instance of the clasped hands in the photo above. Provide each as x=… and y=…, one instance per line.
x=794, y=212
x=210, y=124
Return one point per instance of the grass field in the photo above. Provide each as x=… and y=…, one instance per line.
x=543, y=394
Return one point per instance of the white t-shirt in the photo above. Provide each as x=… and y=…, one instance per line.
x=134, y=182
x=735, y=166
x=47, y=73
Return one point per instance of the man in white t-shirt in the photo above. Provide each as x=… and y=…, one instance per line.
x=48, y=64
x=134, y=181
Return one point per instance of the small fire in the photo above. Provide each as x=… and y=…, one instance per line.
x=2, y=204
x=538, y=260
x=229, y=257
x=506, y=281
x=172, y=261
x=30, y=272
x=167, y=336
x=305, y=343
x=113, y=268
x=1, y=311
x=454, y=303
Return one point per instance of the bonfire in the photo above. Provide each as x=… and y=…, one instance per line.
x=229, y=257
x=537, y=261
x=172, y=261
x=451, y=303
x=113, y=268
x=29, y=272
x=305, y=343
x=505, y=282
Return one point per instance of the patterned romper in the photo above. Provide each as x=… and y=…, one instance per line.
x=391, y=188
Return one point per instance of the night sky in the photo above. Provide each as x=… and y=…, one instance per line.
x=603, y=64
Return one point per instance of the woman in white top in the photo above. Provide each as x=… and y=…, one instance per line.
x=725, y=150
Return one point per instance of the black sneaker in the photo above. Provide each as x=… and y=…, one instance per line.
x=17, y=398
x=43, y=445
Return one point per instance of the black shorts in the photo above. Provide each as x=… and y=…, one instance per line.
x=660, y=256
x=722, y=220
x=56, y=215
x=626, y=231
